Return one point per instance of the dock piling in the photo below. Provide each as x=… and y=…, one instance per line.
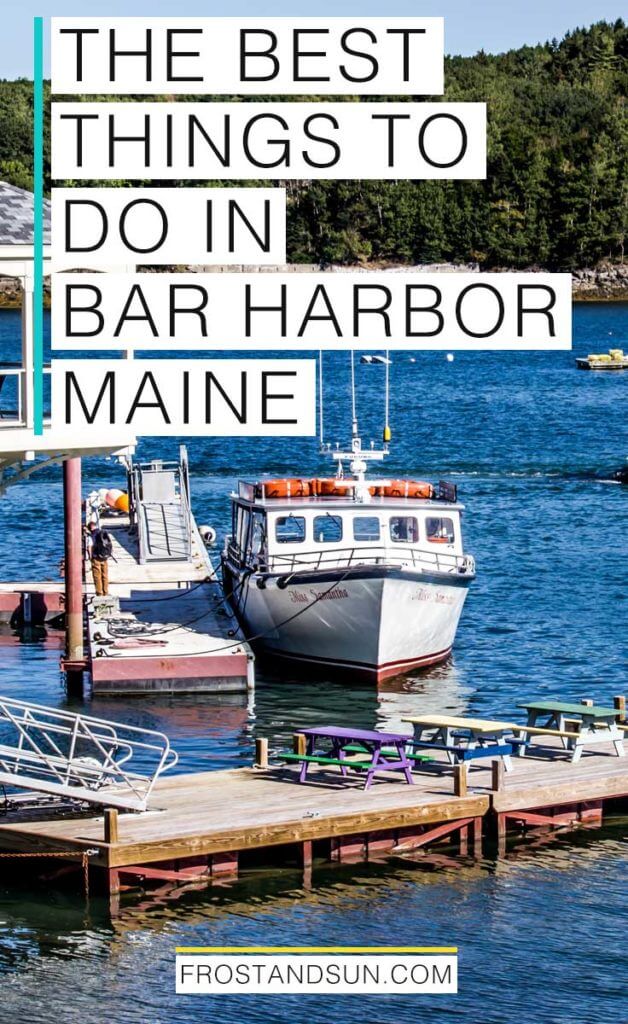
x=111, y=825
x=460, y=779
x=261, y=752
x=74, y=652
x=619, y=702
x=497, y=775
x=299, y=743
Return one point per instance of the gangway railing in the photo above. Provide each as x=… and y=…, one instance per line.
x=160, y=509
x=79, y=757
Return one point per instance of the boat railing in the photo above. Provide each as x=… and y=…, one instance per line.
x=80, y=757
x=341, y=558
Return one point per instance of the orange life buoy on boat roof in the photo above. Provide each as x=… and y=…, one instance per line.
x=286, y=488
x=330, y=487
x=408, y=489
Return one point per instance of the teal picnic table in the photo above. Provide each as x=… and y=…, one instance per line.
x=595, y=724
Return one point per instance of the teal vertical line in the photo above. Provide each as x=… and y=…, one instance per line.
x=38, y=224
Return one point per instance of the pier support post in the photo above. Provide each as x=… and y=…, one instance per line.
x=306, y=863
x=460, y=779
x=497, y=775
x=111, y=825
x=298, y=743
x=74, y=652
x=306, y=854
x=476, y=826
x=619, y=703
x=261, y=752
x=501, y=833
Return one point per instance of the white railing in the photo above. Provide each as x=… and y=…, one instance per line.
x=79, y=757
x=12, y=396
x=399, y=556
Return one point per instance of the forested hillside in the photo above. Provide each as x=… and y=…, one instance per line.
x=556, y=195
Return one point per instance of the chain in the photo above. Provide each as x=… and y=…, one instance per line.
x=62, y=853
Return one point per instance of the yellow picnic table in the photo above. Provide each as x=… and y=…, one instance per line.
x=481, y=737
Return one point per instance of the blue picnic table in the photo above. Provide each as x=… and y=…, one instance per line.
x=374, y=759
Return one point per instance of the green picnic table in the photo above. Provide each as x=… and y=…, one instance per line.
x=595, y=724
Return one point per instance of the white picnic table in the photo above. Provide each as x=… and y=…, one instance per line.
x=595, y=724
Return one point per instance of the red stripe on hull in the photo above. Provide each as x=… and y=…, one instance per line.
x=376, y=673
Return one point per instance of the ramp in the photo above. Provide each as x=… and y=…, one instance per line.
x=160, y=506
x=87, y=759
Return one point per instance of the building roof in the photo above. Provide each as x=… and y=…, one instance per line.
x=16, y=216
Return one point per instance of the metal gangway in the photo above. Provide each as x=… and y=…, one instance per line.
x=160, y=509
x=78, y=757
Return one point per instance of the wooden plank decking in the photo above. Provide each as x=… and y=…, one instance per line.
x=216, y=812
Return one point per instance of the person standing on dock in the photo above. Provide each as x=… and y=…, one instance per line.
x=99, y=551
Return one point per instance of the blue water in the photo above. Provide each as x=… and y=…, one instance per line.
x=531, y=443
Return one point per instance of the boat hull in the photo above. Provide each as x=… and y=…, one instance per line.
x=375, y=621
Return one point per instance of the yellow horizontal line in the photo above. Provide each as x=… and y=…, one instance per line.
x=317, y=949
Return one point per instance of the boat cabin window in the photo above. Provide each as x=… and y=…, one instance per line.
x=365, y=528
x=240, y=526
x=290, y=529
x=439, y=530
x=404, y=529
x=327, y=529
x=258, y=533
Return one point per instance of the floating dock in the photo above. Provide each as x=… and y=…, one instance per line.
x=31, y=604
x=203, y=827
x=166, y=626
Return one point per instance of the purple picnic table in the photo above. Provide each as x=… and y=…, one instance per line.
x=371, y=740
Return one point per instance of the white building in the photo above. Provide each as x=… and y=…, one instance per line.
x=21, y=452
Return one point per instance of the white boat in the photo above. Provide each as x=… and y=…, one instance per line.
x=376, y=360
x=361, y=575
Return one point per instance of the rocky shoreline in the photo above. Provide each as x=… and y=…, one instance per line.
x=608, y=282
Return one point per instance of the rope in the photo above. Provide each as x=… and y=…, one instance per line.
x=128, y=627
x=354, y=423
x=387, y=393
x=291, y=618
x=320, y=397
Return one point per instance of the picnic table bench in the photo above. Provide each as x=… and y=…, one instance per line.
x=463, y=739
x=384, y=751
x=594, y=723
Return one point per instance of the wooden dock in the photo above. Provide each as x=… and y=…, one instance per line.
x=174, y=631
x=206, y=825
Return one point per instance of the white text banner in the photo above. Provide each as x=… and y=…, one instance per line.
x=162, y=226
x=191, y=397
x=353, y=310
x=274, y=141
x=245, y=56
